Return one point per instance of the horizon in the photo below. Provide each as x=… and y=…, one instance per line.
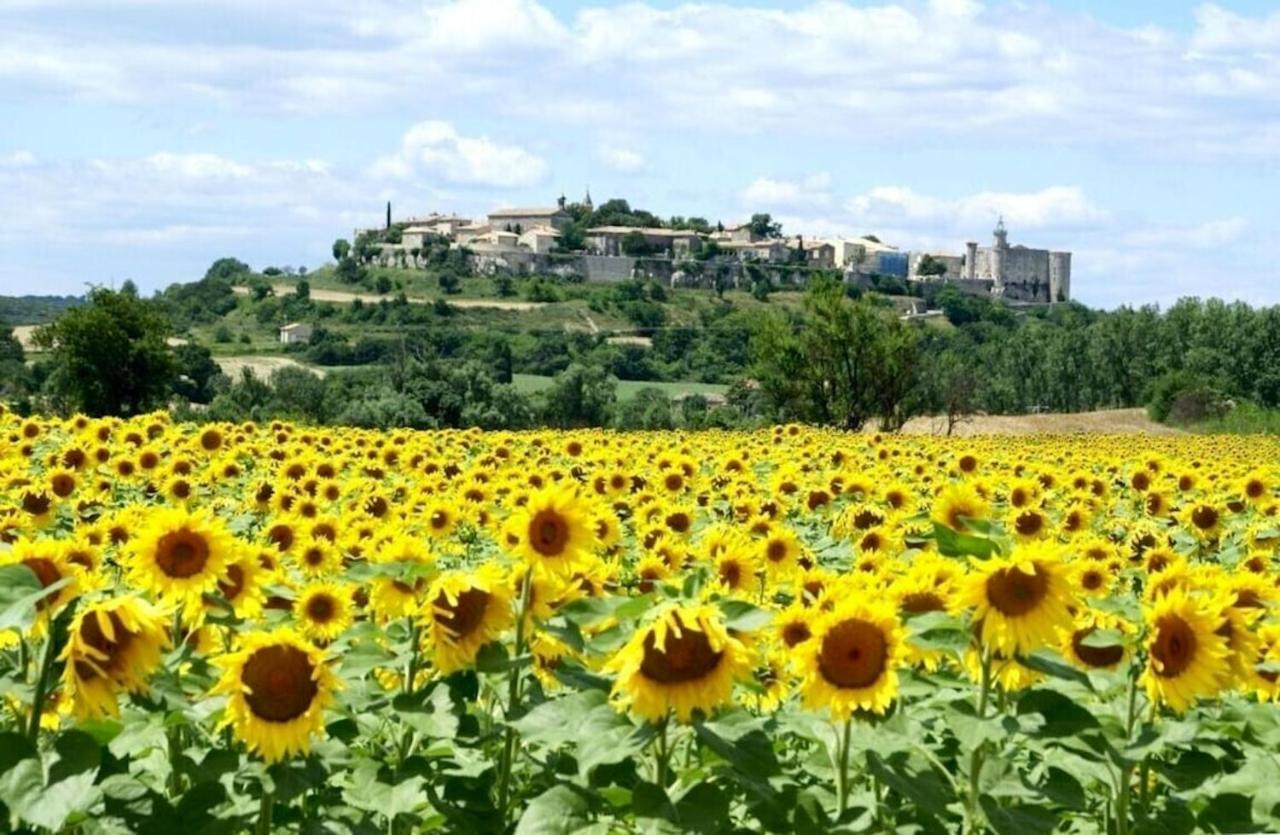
x=146, y=144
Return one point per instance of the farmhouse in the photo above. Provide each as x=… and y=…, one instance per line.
x=518, y=220
x=608, y=240
x=295, y=333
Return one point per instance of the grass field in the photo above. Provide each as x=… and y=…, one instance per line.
x=530, y=383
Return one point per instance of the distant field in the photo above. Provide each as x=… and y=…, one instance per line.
x=1109, y=421
x=529, y=383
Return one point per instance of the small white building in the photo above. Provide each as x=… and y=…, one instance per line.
x=295, y=333
x=539, y=240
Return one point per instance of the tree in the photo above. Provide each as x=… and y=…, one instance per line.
x=573, y=237
x=302, y=290
x=930, y=266
x=341, y=249
x=635, y=244
x=763, y=226
x=839, y=363
x=109, y=357
x=196, y=373
x=228, y=269
x=650, y=408
x=582, y=395
x=449, y=282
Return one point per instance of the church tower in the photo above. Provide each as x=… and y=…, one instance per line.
x=586, y=201
x=997, y=256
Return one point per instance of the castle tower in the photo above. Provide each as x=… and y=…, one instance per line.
x=971, y=260
x=1059, y=277
x=997, y=256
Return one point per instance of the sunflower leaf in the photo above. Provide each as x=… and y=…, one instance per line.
x=741, y=616
x=1052, y=664
x=1103, y=639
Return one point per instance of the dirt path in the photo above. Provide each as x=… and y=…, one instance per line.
x=344, y=297
x=23, y=334
x=260, y=365
x=1110, y=421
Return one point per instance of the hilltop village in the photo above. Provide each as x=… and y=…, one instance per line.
x=614, y=243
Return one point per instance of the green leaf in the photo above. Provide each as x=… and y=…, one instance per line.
x=1052, y=664
x=953, y=544
x=741, y=616
x=1103, y=639
x=703, y=808
x=560, y=810
x=741, y=741
x=1062, y=715
x=70, y=789
x=20, y=591
x=929, y=790
x=938, y=631
x=1228, y=813
x=1018, y=819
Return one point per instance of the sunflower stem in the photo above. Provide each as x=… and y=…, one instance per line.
x=42, y=689
x=842, y=768
x=513, y=697
x=263, y=825
x=664, y=753
x=1126, y=770
x=976, y=756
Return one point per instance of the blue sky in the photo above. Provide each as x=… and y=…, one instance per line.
x=144, y=138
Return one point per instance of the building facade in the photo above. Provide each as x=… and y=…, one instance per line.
x=1015, y=272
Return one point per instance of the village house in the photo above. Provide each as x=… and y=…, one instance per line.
x=518, y=220
x=770, y=250
x=540, y=240
x=608, y=240
x=818, y=255
x=295, y=333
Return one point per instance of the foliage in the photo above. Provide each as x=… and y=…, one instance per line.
x=109, y=357
x=838, y=364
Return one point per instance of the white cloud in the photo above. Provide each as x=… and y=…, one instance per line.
x=881, y=73
x=767, y=193
x=898, y=205
x=435, y=150
x=622, y=160
x=17, y=159
x=1207, y=235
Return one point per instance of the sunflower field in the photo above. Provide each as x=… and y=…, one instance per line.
x=275, y=628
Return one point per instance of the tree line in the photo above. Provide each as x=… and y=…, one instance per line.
x=836, y=360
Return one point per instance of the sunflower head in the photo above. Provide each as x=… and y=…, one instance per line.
x=277, y=685
x=851, y=662
x=681, y=662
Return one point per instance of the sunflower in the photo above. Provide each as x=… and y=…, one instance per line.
x=554, y=529
x=179, y=556
x=735, y=568
x=318, y=557
x=242, y=585
x=770, y=682
x=113, y=645
x=779, y=552
x=1188, y=658
x=683, y=660
x=49, y=561
x=323, y=611
x=1074, y=646
x=1019, y=603
x=957, y=505
x=468, y=609
x=277, y=686
x=851, y=663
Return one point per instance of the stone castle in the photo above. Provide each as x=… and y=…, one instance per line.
x=1016, y=272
